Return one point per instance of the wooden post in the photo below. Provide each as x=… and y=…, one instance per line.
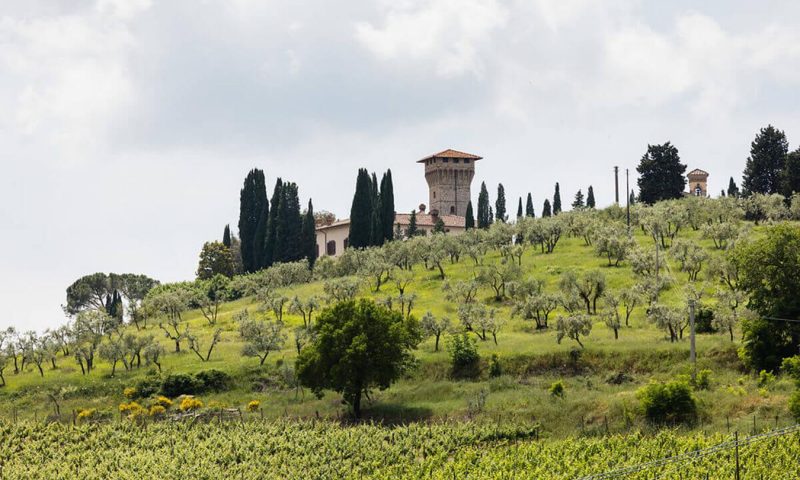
x=736, y=442
x=692, y=349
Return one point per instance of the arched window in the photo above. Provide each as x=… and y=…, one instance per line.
x=452, y=210
x=331, y=248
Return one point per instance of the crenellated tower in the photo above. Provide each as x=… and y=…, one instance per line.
x=449, y=175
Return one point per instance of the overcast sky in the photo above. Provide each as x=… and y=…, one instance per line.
x=127, y=126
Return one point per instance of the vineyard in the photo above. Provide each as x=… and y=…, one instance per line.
x=325, y=450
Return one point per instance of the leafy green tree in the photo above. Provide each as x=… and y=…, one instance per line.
x=661, y=174
x=215, y=259
x=359, y=346
x=464, y=357
x=578, y=204
x=253, y=207
x=574, y=327
x=210, y=294
x=589, y=286
x=766, y=162
x=469, y=221
x=483, y=207
x=433, y=327
x=767, y=272
x=546, y=212
x=196, y=344
x=387, y=206
x=361, y=211
x=733, y=189
x=261, y=337
x=590, y=203
x=308, y=234
x=268, y=228
x=529, y=207
x=88, y=292
x=557, y=200
x=500, y=204
x=791, y=174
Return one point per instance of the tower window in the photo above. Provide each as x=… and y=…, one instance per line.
x=434, y=195
x=452, y=210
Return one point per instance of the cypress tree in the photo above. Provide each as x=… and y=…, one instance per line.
x=387, y=206
x=733, y=190
x=483, y=207
x=557, y=200
x=376, y=223
x=766, y=162
x=491, y=215
x=529, y=207
x=412, y=231
x=309, y=235
x=268, y=247
x=790, y=181
x=288, y=232
x=226, y=236
x=546, y=208
x=252, y=207
x=469, y=221
x=361, y=211
x=519, y=209
x=500, y=204
x=590, y=203
x=632, y=198
x=578, y=203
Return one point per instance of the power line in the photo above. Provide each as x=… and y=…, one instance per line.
x=790, y=320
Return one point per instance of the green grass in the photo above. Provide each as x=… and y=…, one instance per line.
x=532, y=360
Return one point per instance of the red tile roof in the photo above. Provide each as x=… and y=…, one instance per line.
x=426, y=220
x=697, y=171
x=450, y=153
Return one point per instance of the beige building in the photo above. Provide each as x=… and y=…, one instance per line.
x=698, y=183
x=449, y=175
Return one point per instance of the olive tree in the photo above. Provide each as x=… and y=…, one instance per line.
x=261, y=337
x=574, y=327
x=433, y=327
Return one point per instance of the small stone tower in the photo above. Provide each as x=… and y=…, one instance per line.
x=449, y=175
x=698, y=183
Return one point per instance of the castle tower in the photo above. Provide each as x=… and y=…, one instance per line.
x=449, y=175
x=698, y=183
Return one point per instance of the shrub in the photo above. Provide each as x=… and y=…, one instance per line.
x=129, y=408
x=253, y=406
x=190, y=403
x=213, y=381
x=163, y=401
x=130, y=392
x=464, y=356
x=85, y=414
x=557, y=389
x=147, y=386
x=157, y=411
x=704, y=321
x=703, y=380
x=180, y=384
x=765, y=378
x=495, y=370
x=794, y=405
x=669, y=403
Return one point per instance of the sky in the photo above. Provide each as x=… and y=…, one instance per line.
x=128, y=126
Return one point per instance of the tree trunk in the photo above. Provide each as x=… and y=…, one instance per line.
x=616, y=334
x=53, y=362
x=436, y=347
x=177, y=346
x=113, y=367
x=41, y=371
x=357, y=405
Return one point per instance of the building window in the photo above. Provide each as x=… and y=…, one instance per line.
x=455, y=160
x=466, y=160
x=445, y=160
x=434, y=195
x=331, y=249
x=698, y=191
x=452, y=210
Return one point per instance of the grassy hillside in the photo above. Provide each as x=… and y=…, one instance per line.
x=595, y=399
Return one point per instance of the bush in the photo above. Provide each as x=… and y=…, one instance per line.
x=130, y=392
x=557, y=389
x=162, y=401
x=669, y=403
x=190, y=403
x=129, y=408
x=703, y=380
x=495, y=370
x=765, y=379
x=794, y=405
x=704, y=321
x=147, y=386
x=213, y=380
x=253, y=406
x=157, y=411
x=180, y=384
x=464, y=356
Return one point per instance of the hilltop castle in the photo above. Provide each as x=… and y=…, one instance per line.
x=449, y=174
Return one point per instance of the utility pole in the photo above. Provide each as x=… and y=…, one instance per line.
x=616, y=185
x=692, y=349
x=628, y=199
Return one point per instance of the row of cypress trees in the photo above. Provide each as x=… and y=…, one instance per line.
x=486, y=216
x=372, y=213
x=273, y=231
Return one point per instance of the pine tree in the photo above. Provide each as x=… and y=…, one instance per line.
x=412, y=231
x=529, y=207
x=469, y=221
x=590, y=203
x=361, y=211
x=226, y=236
x=252, y=205
x=578, y=204
x=483, y=207
x=661, y=174
x=387, y=206
x=271, y=227
x=557, y=200
x=546, y=208
x=519, y=209
x=766, y=162
x=500, y=204
x=733, y=190
x=288, y=232
x=309, y=235
x=791, y=175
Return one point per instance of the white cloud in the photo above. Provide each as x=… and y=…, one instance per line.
x=122, y=9
x=447, y=34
